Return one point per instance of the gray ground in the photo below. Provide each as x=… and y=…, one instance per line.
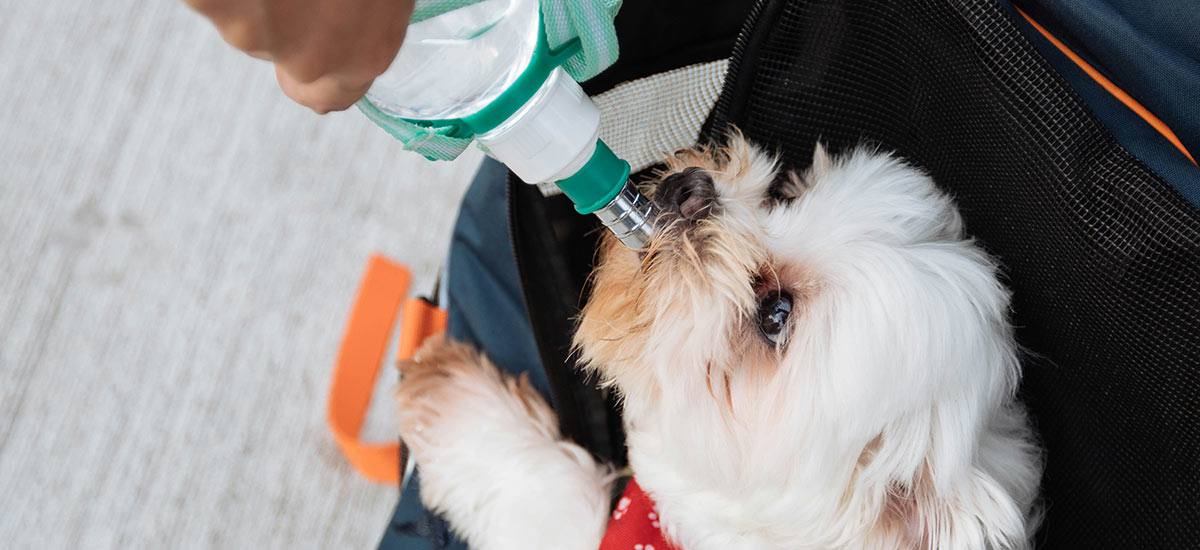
x=180, y=247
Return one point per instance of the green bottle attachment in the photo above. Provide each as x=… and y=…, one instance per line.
x=544, y=128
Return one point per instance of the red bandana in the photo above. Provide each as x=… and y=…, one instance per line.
x=634, y=524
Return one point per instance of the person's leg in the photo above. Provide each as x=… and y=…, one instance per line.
x=486, y=309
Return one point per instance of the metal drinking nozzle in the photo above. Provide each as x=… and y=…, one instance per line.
x=630, y=216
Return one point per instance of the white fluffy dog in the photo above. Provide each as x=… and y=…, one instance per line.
x=817, y=360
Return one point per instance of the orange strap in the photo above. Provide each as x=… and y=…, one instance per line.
x=1113, y=89
x=380, y=297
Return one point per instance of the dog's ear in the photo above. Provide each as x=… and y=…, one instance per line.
x=964, y=497
x=964, y=515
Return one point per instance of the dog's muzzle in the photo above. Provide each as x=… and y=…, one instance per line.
x=688, y=194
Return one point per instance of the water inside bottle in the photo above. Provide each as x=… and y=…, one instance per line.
x=454, y=64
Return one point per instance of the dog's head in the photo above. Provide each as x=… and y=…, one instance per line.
x=832, y=327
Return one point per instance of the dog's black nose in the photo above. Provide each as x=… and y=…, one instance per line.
x=689, y=193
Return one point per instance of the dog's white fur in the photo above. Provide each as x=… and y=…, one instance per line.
x=887, y=419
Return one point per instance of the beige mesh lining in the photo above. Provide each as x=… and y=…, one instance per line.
x=642, y=120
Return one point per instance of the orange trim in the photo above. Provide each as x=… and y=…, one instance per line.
x=380, y=297
x=419, y=321
x=1117, y=92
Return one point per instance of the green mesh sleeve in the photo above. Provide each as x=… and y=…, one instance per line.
x=589, y=20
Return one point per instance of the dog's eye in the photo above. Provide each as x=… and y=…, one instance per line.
x=773, y=312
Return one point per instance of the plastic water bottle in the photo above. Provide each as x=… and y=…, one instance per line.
x=486, y=69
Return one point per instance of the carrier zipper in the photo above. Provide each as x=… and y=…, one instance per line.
x=720, y=112
x=512, y=238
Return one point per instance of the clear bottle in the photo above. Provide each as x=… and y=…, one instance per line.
x=487, y=69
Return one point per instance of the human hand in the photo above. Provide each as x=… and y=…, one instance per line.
x=326, y=52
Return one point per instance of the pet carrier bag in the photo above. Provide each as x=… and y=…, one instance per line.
x=1098, y=238
x=1090, y=200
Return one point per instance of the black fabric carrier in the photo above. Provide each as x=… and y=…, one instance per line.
x=1102, y=255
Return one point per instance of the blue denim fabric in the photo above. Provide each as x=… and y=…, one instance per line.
x=1149, y=49
x=486, y=308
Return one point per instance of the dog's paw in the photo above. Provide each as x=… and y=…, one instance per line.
x=491, y=458
x=448, y=387
x=431, y=385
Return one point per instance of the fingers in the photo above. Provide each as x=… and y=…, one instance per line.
x=241, y=24
x=325, y=94
x=340, y=59
x=326, y=52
